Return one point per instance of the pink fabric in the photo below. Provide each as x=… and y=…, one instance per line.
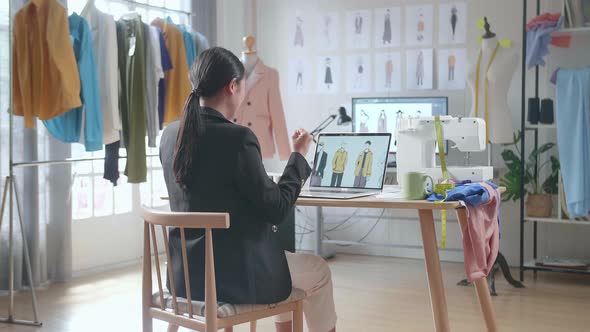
x=481, y=236
x=542, y=19
x=262, y=111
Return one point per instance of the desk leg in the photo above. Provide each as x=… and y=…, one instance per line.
x=481, y=286
x=319, y=231
x=433, y=271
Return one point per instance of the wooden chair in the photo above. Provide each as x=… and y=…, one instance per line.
x=196, y=315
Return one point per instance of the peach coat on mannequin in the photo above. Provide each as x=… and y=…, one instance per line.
x=262, y=109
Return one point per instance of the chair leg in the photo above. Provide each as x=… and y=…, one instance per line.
x=172, y=328
x=298, y=318
x=229, y=329
x=253, y=326
x=148, y=324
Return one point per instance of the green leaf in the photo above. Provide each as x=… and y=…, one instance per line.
x=534, y=156
x=550, y=185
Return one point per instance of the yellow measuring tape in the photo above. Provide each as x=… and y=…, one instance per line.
x=442, y=188
x=485, y=88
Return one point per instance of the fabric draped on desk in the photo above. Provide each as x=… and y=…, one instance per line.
x=481, y=237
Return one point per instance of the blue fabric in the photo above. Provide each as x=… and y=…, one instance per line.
x=67, y=127
x=189, y=46
x=537, y=43
x=573, y=137
x=201, y=42
x=473, y=194
x=166, y=66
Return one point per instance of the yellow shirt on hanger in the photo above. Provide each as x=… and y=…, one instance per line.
x=45, y=76
x=178, y=86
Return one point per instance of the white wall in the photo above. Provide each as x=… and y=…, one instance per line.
x=505, y=16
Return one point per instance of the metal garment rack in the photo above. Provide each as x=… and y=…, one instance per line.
x=526, y=127
x=10, y=188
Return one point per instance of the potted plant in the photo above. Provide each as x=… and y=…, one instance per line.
x=539, y=202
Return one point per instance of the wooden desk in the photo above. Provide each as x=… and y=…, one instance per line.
x=434, y=274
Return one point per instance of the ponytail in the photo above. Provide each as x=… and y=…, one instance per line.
x=189, y=131
x=213, y=70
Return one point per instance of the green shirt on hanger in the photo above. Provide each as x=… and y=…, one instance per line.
x=131, y=44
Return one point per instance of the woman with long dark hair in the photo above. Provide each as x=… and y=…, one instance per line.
x=214, y=165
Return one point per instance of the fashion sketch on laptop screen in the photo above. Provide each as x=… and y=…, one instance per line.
x=350, y=161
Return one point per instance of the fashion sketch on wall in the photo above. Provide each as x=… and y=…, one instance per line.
x=358, y=71
x=364, y=166
x=419, y=25
x=387, y=27
x=419, y=67
x=451, y=68
x=387, y=72
x=327, y=31
x=298, y=32
x=452, y=23
x=358, y=29
x=328, y=77
x=339, y=165
x=300, y=79
x=317, y=173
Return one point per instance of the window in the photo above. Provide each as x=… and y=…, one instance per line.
x=94, y=196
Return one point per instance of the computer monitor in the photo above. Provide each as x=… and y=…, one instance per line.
x=378, y=115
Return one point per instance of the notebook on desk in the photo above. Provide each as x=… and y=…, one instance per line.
x=348, y=165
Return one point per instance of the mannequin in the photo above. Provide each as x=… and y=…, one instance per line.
x=249, y=56
x=499, y=75
x=262, y=109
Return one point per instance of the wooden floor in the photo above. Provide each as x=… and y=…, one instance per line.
x=372, y=294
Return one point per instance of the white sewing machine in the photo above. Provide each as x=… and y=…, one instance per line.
x=416, y=142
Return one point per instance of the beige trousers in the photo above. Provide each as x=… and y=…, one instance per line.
x=312, y=274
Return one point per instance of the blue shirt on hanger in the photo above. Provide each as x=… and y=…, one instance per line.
x=87, y=118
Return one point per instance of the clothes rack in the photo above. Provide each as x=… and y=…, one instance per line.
x=10, y=192
x=560, y=218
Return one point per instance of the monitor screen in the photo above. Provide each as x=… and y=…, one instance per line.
x=350, y=161
x=378, y=115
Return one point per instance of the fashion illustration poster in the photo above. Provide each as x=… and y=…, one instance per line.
x=387, y=27
x=300, y=76
x=358, y=70
x=328, y=75
x=327, y=31
x=419, y=25
x=387, y=72
x=452, y=23
x=358, y=29
x=419, y=69
x=451, y=68
x=298, y=31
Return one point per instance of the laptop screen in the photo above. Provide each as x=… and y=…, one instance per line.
x=350, y=160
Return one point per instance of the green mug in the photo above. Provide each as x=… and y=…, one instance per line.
x=414, y=185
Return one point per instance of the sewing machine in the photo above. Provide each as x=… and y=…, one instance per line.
x=416, y=142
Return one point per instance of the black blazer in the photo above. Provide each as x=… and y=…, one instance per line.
x=321, y=167
x=228, y=176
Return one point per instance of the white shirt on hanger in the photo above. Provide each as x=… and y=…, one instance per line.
x=104, y=37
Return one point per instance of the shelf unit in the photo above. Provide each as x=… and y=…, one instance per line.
x=570, y=31
x=559, y=219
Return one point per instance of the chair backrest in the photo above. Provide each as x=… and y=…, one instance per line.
x=207, y=221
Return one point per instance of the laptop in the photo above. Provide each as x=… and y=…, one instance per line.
x=348, y=165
